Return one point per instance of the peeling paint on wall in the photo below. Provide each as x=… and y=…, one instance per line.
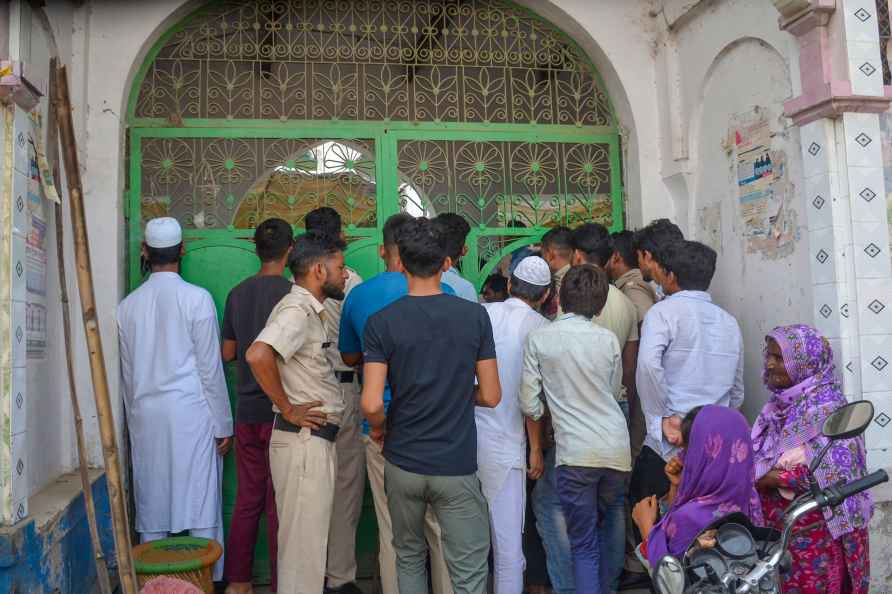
x=764, y=190
x=710, y=221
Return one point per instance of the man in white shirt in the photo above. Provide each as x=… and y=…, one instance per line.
x=691, y=355
x=500, y=431
x=574, y=365
x=175, y=396
x=456, y=230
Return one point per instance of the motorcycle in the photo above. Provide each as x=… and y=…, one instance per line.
x=732, y=556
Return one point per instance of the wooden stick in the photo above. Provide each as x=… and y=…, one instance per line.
x=116, y=493
x=52, y=156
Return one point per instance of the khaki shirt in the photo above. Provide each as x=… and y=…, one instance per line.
x=333, y=321
x=619, y=316
x=641, y=294
x=296, y=331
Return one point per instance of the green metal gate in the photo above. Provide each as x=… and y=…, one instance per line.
x=246, y=110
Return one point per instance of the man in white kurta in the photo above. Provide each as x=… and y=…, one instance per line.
x=175, y=396
x=501, y=439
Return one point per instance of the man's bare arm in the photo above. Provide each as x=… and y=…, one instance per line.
x=261, y=358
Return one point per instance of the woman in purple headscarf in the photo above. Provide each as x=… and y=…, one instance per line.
x=716, y=480
x=830, y=552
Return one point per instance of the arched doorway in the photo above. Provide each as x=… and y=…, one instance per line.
x=248, y=109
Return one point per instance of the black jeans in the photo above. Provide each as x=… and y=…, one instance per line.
x=648, y=477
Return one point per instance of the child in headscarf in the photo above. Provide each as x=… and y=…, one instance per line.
x=829, y=551
x=716, y=480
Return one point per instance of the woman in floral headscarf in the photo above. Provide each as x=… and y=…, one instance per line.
x=829, y=551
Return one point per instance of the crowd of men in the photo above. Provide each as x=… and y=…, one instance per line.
x=550, y=410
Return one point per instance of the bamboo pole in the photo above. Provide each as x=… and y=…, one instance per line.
x=116, y=492
x=52, y=150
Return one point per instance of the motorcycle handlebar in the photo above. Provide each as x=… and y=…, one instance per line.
x=833, y=496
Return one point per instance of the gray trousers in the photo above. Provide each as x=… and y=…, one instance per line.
x=458, y=504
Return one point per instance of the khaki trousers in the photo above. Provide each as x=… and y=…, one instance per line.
x=349, y=488
x=374, y=460
x=303, y=471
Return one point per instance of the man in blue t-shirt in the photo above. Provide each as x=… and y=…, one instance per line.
x=364, y=301
x=430, y=347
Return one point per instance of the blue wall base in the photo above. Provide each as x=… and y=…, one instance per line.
x=57, y=556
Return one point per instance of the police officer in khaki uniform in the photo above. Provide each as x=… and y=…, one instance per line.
x=289, y=360
x=340, y=571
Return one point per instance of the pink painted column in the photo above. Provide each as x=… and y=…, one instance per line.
x=851, y=267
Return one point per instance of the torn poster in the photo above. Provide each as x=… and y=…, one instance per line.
x=36, y=246
x=763, y=191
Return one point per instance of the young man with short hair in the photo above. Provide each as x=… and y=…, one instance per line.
x=455, y=230
x=622, y=268
x=289, y=360
x=175, y=396
x=557, y=250
x=650, y=243
x=592, y=245
x=501, y=439
x=575, y=366
x=248, y=306
x=691, y=355
x=364, y=301
x=340, y=573
x=429, y=347
x=495, y=289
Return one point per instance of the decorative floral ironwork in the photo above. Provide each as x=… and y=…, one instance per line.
x=433, y=60
x=494, y=184
x=223, y=182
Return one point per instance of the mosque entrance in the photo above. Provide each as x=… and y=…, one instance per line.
x=246, y=110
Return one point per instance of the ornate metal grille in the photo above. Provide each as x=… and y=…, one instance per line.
x=494, y=184
x=238, y=182
x=433, y=60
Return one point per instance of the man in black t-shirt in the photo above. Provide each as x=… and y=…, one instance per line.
x=429, y=347
x=248, y=307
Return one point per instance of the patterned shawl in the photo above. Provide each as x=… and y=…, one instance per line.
x=717, y=480
x=795, y=416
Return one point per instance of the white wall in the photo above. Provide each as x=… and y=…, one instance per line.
x=731, y=58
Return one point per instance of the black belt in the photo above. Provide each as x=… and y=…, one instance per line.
x=345, y=377
x=328, y=432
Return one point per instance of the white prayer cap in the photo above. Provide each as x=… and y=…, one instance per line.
x=163, y=232
x=533, y=270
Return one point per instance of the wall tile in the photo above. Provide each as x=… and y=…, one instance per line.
x=860, y=18
x=818, y=149
x=21, y=134
x=18, y=267
x=819, y=198
x=826, y=256
x=828, y=301
x=877, y=459
x=862, y=139
x=18, y=334
x=876, y=362
x=879, y=432
x=875, y=307
x=18, y=403
x=19, y=461
x=867, y=194
x=870, y=250
x=865, y=68
x=20, y=218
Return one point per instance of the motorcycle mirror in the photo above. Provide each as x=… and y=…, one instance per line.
x=669, y=577
x=849, y=421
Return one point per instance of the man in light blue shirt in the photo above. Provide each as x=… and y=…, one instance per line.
x=456, y=229
x=364, y=301
x=575, y=366
x=690, y=355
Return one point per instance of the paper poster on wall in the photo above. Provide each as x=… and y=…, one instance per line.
x=36, y=245
x=763, y=190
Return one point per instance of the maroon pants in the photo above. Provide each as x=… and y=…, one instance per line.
x=254, y=496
